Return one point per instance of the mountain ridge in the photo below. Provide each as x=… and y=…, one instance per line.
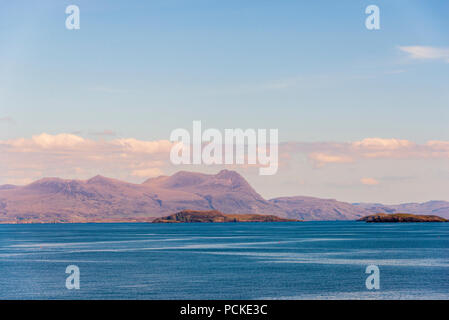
x=105, y=199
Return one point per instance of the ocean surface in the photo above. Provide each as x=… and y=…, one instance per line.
x=305, y=260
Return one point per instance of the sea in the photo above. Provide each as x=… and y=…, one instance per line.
x=286, y=260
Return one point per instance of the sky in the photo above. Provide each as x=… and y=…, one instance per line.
x=362, y=114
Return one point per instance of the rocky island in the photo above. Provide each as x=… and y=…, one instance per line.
x=402, y=217
x=192, y=216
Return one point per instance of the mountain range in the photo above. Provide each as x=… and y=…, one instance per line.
x=102, y=199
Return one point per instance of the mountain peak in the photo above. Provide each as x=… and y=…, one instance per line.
x=52, y=185
x=47, y=181
x=101, y=180
x=155, y=179
x=98, y=178
x=184, y=179
x=228, y=174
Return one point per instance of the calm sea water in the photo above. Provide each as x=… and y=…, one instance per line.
x=309, y=260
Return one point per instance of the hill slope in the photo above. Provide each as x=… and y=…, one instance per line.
x=309, y=208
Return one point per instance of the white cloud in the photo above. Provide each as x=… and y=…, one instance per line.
x=426, y=53
x=322, y=153
x=438, y=145
x=71, y=156
x=67, y=141
x=63, y=140
x=382, y=144
x=46, y=141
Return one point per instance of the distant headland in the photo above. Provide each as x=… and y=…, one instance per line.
x=192, y=216
x=402, y=217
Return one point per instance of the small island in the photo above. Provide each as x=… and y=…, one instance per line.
x=192, y=216
x=402, y=217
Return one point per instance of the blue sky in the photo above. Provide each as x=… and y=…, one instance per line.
x=143, y=68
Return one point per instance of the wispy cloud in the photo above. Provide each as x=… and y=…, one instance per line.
x=109, y=90
x=426, y=53
x=7, y=120
x=147, y=173
x=71, y=156
x=321, y=159
x=103, y=133
x=369, y=181
x=398, y=71
x=73, y=143
x=323, y=153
